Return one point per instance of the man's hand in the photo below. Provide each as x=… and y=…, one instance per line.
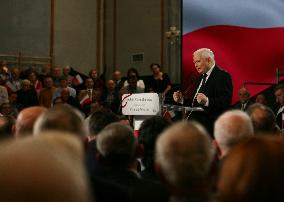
x=201, y=98
x=177, y=96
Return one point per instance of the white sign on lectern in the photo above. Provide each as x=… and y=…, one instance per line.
x=140, y=104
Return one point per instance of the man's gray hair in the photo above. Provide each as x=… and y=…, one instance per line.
x=184, y=154
x=205, y=52
x=231, y=127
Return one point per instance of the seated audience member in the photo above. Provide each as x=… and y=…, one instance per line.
x=6, y=127
x=88, y=90
x=131, y=87
x=27, y=96
x=263, y=118
x=117, y=151
x=14, y=83
x=45, y=71
x=245, y=101
x=66, y=72
x=230, y=128
x=149, y=131
x=278, y=110
x=260, y=98
x=62, y=118
x=159, y=82
x=49, y=168
x=45, y=95
x=98, y=83
x=63, y=84
x=118, y=79
x=88, y=95
x=110, y=97
x=183, y=160
x=253, y=171
x=26, y=120
x=56, y=75
x=68, y=99
x=133, y=73
x=35, y=82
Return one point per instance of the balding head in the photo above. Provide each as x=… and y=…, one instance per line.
x=26, y=119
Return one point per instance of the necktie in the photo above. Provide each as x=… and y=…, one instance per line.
x=200, y=90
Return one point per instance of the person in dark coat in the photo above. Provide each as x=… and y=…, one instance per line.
x=213, y=93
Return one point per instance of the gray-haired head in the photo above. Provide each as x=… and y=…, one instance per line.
x=184, y=154
x=230, y=128
x=205, y=52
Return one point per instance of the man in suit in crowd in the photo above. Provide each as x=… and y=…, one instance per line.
x=118, y=79
x=213, y=93
x=117, y=150
x=110, y=97
x=245, y=101
x=279, y=95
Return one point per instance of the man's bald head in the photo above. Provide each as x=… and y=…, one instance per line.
x=26, y=119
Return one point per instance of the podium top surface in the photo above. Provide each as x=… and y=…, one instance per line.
x=181, y=108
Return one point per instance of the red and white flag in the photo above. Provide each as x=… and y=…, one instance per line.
x=77, y=80
x=168, y=115
x=245, y=35
x=85, y=100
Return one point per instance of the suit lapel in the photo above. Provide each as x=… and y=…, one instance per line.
x=209, y=81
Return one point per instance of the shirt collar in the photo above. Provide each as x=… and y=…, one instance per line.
x=210, y=71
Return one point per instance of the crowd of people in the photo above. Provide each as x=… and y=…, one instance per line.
x=62, y=138
x=49, y=86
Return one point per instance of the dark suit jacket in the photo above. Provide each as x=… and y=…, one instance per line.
x=218, y=89
x=239, y=105
x=139, y=190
